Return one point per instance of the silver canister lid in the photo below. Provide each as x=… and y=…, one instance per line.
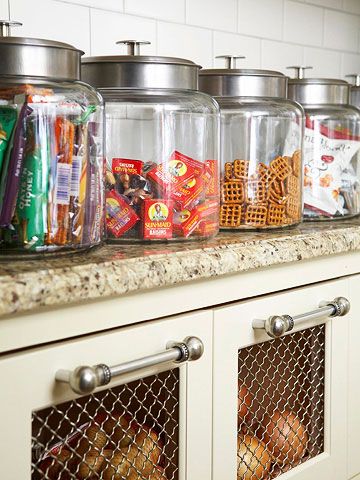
x=355, y=89
x=317, y=91
x=33, y=57
x=139, y=71
x=235, y=82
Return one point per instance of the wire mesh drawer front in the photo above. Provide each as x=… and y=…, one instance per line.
x=127, y=432
x=281, y=404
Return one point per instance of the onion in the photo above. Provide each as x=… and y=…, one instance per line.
x=253, y=459
x=245, y=400
x=285, y=436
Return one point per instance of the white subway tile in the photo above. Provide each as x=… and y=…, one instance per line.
x=303, y=23
x=220, y=15
x=115, y=5
x=325, y=63
x=351, y=6
x=184, y=41
x=341, y=31
x=350, y=64
x=263, y=18
x=109, y=27
x=278, y=56
x=54, y=21
x=326, y=3
x=173, y=10
x=233, y=44
x=4, y=9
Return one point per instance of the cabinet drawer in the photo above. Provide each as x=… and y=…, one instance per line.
x=151, y=419
x=280, y=403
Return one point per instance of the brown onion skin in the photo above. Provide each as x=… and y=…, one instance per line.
x=285, y=437
x=254, y=461
x=245, y=400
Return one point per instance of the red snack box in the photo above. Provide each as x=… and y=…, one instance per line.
x=172, y=175
x=124, y=165
x=198, y=167
x=207, y=228
x=212, y=168
x=188, y=194
x=187, y=221
x=120, y=217
x=158, y=219
x=210, y=207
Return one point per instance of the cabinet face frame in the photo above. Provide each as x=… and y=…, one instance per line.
x=28, y=384
x=233, y=331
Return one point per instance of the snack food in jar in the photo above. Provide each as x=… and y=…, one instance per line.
x=261, y=147
x=51, y=148
x=162, y=172
x=331, y=147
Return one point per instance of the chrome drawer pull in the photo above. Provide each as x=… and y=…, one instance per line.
x=277, y=325
x=86, y=379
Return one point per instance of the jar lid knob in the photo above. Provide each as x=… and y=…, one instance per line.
x=356, y=77
x=133, y=46
x=230, y=60
x=300, y=71
x=5, y=27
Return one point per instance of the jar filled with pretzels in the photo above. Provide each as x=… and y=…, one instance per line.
x=261, y=147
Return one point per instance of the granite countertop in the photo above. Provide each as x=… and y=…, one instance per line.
x=114, y=270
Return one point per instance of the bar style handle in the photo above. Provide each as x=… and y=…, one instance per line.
x=299, y=71
x=356, y=77
x=276, y=325
x=133, y=46
x=230, y=60
x=5, y=27
x=85, y=379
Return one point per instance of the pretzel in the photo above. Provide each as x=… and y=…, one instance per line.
x=228, y=171
x=233, y=192
x=280, y=167
x=293, y=208
x=230, y=215
x=276, y=214
x=241, y=168
x=292, y=185
x=296, y=161
x=256, y=192
x=256, y=215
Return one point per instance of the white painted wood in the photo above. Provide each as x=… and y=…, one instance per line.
x=354, y=380
x=57, y=324
x=27, y=384
x=233, y=330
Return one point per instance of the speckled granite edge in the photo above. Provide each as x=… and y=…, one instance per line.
x=25, y=291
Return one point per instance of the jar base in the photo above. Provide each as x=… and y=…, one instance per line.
x=16, y=253
x=330, y=219
x=247, y=228
x=164, y=241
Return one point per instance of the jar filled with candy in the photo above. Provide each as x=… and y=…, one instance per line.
x=331, y=147
x=51, y=148
x=261, y=147
x=162, y=145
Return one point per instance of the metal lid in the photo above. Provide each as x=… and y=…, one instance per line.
x=233, y=82
x=34, y=57
x=139, y=71
x=317, y=91
x=355, y=89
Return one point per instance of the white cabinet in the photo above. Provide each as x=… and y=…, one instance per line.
x=354, y=380
x=293, y=389
x=172, y=402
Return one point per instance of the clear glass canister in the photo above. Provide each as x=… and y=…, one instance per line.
x=331, y=147
x=162, y=146
x=51, y=149
x=261, y=142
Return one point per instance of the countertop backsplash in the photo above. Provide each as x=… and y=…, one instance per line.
x=270, y=33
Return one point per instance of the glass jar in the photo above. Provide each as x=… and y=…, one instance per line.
x=331, y=147
x=261, y=141
x=161, y=147
x=51, y=149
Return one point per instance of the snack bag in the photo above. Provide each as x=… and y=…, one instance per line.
x=8, y=116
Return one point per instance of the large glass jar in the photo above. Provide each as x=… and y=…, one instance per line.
x=331, y=147
x=162, y=140
x=51, y=149
x=261, y=142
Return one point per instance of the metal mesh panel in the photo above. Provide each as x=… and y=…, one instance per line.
x=127, y=432
x=280, y=404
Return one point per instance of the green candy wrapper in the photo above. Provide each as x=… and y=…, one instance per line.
x=8, y=116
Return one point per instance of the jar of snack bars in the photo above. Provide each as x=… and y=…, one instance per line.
x=331, y=147
x=261, y=142
x=161, y=147
x=51, y=148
